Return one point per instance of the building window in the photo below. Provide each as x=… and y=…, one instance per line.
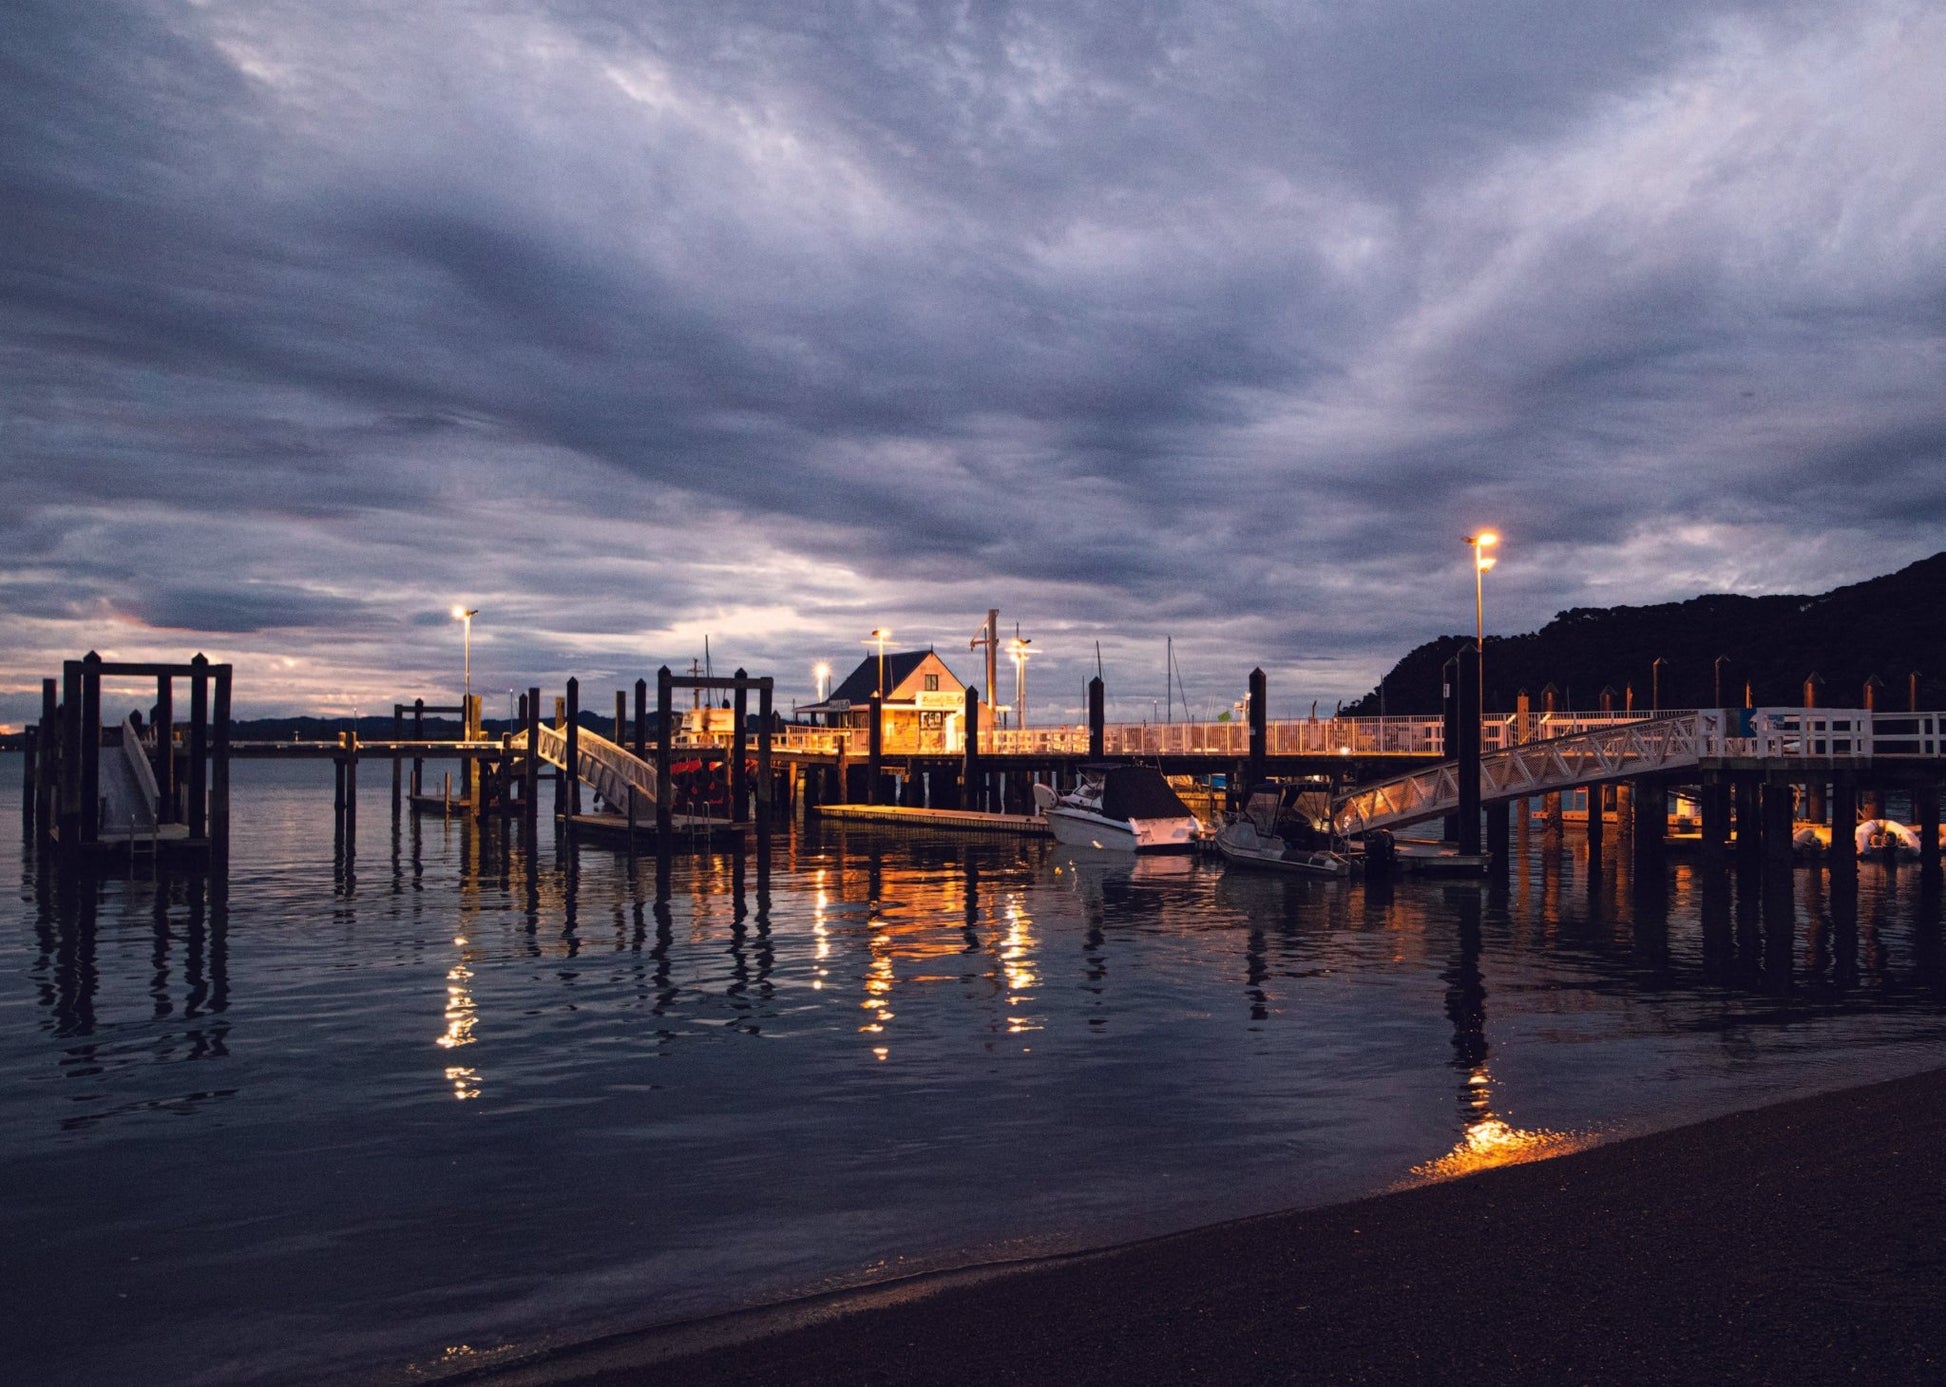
x=932, y=683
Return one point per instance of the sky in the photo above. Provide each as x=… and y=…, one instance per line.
x=632, y=324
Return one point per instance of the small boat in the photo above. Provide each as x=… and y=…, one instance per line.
x=1119, y=808
x=1268, y=834
x=1886, y=839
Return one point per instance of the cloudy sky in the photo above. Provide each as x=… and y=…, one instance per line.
x=629, y=323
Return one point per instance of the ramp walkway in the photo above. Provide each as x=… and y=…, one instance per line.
x=1756, y=738
x=611, y=770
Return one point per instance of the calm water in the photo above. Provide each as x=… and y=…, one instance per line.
x=363, y=1128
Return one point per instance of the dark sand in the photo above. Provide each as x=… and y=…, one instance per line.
x=1803, y=1243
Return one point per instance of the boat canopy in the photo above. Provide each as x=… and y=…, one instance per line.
x=1139, y=792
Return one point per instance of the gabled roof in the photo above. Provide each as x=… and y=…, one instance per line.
x=862, y=683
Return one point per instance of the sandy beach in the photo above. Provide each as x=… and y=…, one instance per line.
x=1800, y=1243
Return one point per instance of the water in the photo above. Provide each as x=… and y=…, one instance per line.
x=369, y=1128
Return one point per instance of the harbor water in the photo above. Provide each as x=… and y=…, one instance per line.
x=455, y=1104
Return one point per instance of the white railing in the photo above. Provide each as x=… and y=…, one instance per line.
x=612, y=770
x=1811, y=736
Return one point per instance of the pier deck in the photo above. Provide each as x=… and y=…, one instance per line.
x=964, y=820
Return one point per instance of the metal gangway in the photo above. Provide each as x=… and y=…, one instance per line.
x=611, y=770
x=1765, y=738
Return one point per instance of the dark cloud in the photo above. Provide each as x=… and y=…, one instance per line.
x=631, y=322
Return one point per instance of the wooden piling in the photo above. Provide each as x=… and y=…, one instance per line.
x=739, y=775
x=571, y=773
x=766, y=711
x=1841, y=858
x=398, y=762
x=418, y=735
x=90, y=747
x=1467, y=702
x=641, y=743
x=875, y=748
x=969, y=788
x=165, y=748
x=665, y=792
x=48, y=761
x=351, y=795
x=199, y=746
x=1597, y=828
x=530, y=788
x=219, y=772
x=1097, y=718
x=1259, y=715
x=1651, y=805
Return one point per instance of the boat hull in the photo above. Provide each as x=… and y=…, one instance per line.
x=1077, y=828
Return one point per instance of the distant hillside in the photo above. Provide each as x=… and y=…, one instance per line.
x=1889, y=627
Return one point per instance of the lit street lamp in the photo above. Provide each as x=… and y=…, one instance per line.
x=1482, y=561
x=466, y=615
x=878, y=637
x=821, y=680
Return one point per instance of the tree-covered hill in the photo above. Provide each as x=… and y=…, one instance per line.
x=1888, y=627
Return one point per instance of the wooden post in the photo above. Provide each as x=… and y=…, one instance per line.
x=1259, y=714
x=90, y=747
x=739, y=775
x=398, y=764
x=642, y=720
x=219, y=771
x=621, y=718
x=1651, y=823
x=530, y=789
x=1552, y=824
x=1841, y=860
x=338, y=796
x=1499, y=834
x=969, y=793
x=70, y=789
x=1097, y=718
x=841, y=773
x=766, y=692
x=1750, y=829
x=351, y=798
x=572, y=772
x=1811, y=687
x=875, y=748
x=1597, y=827
x=1467, y=702
x=199, y=747
x=29, y=789
x=165, y=749
x=1449, y=825
x=665, y=793
x=47, y=772
x=418, y=735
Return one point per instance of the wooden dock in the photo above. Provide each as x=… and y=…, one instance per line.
x=949, y=820
x=693, y=833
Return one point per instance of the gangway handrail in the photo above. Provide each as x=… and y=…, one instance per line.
x=609, y=768
x=1801, y=735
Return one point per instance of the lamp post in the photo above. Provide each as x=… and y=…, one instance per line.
x=878, y=637
x=821, y=680
x=1655, y=684
x=465, y=615
x=1482, y=561
x=1018, y=652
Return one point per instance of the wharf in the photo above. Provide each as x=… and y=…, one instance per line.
x=965, y=820
x=692, y=831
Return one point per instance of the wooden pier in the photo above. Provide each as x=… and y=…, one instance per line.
x=957, y=820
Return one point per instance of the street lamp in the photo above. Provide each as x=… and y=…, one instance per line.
x=1482, y=561
x=878, y=637
x=1018, y=652
x=466, y=615
x=821, y=680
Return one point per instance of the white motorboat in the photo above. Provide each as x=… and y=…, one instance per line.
x=1119, y=808
x=1266, y=835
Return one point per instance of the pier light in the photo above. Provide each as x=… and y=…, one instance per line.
x=465, y=616
x=878, y=637
x=821, y=680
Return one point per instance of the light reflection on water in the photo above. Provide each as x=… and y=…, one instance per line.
x=337, y=1119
